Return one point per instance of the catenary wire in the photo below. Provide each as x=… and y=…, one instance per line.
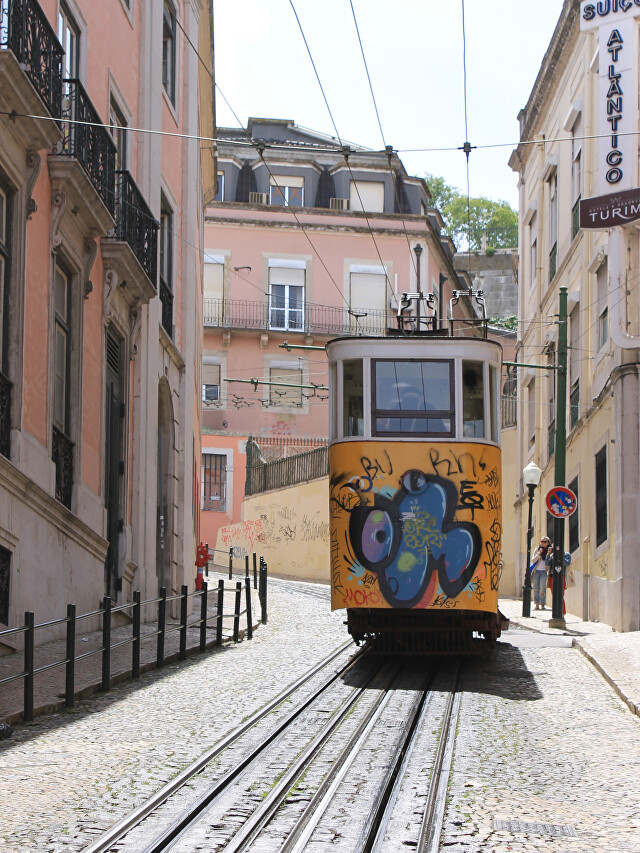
x=344, y=149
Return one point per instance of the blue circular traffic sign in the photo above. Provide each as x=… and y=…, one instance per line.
x=561, y=502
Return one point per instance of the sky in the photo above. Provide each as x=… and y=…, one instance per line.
x=414, y=51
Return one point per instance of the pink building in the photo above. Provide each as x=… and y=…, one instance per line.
x=100, y=285
x=303, y=244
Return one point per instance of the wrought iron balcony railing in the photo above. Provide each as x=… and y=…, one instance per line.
x=166, y=298
x=86, y=139
x=25, y=30
x=5, y=415
x=136, y=225
x=62, y=455
x=311, y=319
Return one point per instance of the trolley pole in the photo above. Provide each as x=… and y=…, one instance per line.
x=557, y=617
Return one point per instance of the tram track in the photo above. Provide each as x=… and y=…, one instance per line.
x=108, y=840
x=287, y=793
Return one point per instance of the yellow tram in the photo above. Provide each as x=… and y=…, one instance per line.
x=415, y=490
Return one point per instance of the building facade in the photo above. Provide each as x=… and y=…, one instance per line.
x=101, y=222
x=307, y=241
x=572, y=112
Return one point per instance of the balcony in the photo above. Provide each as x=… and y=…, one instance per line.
x=5, y=415
x=62, y=455
x=87, y=143
x=31, y=64
x=132, y=247
x=311, y=319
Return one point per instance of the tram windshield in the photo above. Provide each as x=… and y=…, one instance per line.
x=413, y=397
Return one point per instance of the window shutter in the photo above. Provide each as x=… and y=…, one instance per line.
x=367, y=195
x=280, y=395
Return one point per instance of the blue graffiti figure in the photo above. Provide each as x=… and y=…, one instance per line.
x=405, y=538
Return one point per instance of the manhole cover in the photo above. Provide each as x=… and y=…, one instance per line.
x=554, y=829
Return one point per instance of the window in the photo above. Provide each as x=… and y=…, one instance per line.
x=118, y=131
x=220, y=191
x=533, y=237
x=574, y=366
x=5, y=578
x=352, y=397
x=286, y=190
x=210, y=383
x=290, y=392
x=368, y=299
x=69, y=37
x=166, y=265
x=576, y=177
x=553, y=225
x=473, y=399
x=493, y=391
x=413, y=397
x=286, y=298
x=214, y=482
x=4, y=279
x=574, y=520
x=368, y=196
x=602, y=279
x=551, y=396
x=62, y=350
x=602, y=531
x=169, y=50
x=531, y=413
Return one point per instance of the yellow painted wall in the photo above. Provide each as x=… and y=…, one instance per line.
x=288, y=527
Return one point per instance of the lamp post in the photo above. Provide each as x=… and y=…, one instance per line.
x=531, y=478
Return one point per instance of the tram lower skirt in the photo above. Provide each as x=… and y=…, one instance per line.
x=425, y=632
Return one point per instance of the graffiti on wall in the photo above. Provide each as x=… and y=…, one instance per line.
x=415, y=525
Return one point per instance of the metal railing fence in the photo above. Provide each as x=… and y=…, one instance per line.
x=264, y=476
x=134, y=608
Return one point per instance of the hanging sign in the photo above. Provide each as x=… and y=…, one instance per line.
x=561, y=502
x=617, y=90
x=608, y=211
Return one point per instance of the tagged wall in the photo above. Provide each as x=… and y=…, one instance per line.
x=288, y=527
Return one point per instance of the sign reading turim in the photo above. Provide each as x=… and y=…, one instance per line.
x=609, y=211
x=617, y=90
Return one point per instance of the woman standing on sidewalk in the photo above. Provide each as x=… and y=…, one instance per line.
x=539, y=572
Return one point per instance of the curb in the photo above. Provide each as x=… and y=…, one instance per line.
x=635, y=709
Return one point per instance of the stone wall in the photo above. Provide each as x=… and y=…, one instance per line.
x=497, y=275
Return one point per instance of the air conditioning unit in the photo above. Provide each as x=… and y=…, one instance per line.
x=258, y=198
x=339, y=204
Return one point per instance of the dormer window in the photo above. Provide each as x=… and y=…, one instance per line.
x=286, y=190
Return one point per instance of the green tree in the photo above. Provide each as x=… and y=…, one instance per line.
x=475, y=223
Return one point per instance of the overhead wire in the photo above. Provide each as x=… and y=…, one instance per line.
x=345, y=151
x=384, y=142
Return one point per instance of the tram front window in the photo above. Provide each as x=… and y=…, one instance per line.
x=353, y=399
x=413, y=397
x=473, y=399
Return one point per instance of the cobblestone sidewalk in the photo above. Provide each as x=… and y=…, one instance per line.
x=616, y=656
x=49, y=687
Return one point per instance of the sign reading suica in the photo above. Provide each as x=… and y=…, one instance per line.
x=617, y=90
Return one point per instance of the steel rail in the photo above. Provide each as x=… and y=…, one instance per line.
x=106, y=841
x=278, y=794
x=433, y=817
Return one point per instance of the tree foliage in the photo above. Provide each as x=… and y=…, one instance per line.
x=474, y=224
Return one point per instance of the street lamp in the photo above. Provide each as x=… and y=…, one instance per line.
x=531, y=478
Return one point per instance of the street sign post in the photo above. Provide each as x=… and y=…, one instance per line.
x=561, y=502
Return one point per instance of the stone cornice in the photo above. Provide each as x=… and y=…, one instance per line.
x=50, y=510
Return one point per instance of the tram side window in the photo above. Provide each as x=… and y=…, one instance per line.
x=413, y=397
x=495, y=413
x=353, y=397
x=473, y=399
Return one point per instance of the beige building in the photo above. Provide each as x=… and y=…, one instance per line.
x=570, y=150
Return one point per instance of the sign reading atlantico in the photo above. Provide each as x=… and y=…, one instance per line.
x=617, y=90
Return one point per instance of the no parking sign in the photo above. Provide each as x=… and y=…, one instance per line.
x=561, y=502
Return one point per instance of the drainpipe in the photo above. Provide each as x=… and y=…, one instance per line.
x=618, y=291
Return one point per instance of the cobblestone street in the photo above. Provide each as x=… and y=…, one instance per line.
x=543, y=738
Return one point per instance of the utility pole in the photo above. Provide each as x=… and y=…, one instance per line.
x=557, y=617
